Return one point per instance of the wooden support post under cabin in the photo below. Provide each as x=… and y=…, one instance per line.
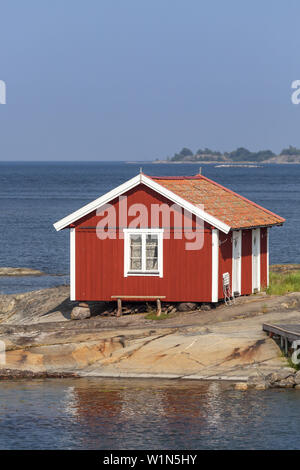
x=158, y=307
x=286, y=346
x=119, y=311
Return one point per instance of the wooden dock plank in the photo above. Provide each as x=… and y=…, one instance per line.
x=291, y=332
x=287, y=334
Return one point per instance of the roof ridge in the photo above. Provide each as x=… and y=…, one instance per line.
x=195, y=177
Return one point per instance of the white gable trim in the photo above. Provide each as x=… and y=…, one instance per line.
x=133, y=182
x=100, y=201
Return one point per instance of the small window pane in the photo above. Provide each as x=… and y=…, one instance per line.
x=151, y=241
x=136, y=239
x=152, y=264
x=135, y=264
x=151, y=252
x=136, y=252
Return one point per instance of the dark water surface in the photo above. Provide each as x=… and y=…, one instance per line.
x=35, y=195
x=145, y=414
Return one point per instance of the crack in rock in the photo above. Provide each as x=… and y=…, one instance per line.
x=131, y=353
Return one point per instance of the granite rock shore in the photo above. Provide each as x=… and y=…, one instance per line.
x=224, y=343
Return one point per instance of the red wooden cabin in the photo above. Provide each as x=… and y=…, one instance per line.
x=122, y=245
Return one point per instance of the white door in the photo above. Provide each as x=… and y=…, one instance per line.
x=256, y=260
x=236, y=261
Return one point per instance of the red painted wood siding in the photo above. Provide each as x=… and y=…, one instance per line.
x=246, y=262
x=100, y=263
x=225, y=258
x=263, y=257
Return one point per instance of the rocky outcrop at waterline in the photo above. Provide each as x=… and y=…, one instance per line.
x=20, y=272
x=54, y=305
x=285, y=268
x=225, y=343
x=286, y=377
x=38, y=306
x=189, y=341
x=14, y=374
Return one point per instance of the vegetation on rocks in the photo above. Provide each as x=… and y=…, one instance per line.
x=153, y=316
x=291, y=363
x=284, y=282
x=290, y=151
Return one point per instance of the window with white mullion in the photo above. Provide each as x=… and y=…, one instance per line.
x=151, y=252
x=143, y=252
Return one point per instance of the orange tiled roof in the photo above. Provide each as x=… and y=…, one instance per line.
x=234, y=210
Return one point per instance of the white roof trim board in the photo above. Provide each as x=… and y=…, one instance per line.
x=132, y=183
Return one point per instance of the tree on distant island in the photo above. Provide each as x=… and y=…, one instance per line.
x=207, y=151
x=187, y=155
x=290, y=151
x=264, y=155
x=185, y=152
x=242, y=154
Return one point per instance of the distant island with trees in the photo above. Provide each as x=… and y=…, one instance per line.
x=240, y=155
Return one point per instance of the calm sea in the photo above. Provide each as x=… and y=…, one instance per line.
x=34, y=195
x=145, y=414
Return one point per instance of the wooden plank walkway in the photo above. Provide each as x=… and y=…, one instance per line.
x=286, y=333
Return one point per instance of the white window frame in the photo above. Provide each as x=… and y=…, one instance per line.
x=144, y=232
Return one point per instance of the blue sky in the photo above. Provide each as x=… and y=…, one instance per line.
x=139, y=79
